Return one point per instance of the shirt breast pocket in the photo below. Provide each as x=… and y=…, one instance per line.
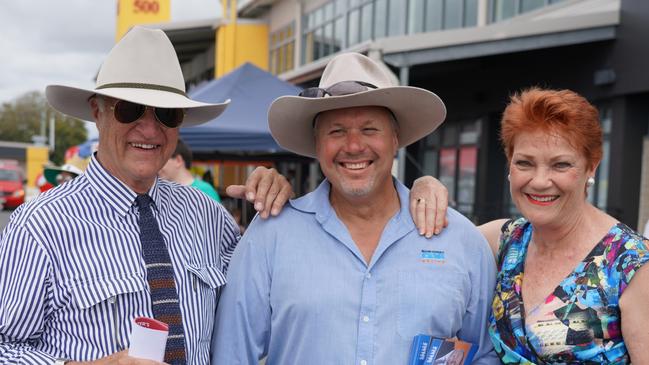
x=89, y=293
x=106, y=300
x=208, y=276
x=431, y=302
x=206, y=282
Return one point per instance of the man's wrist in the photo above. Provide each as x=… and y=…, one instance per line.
x=61, y=361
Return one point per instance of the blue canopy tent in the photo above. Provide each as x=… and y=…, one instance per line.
x=243, y=127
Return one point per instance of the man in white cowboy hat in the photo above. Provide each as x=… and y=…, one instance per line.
x=342, y=276
x=81, y=262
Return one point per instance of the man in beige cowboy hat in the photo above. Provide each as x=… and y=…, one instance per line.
x=81, y=262
x=342, y=276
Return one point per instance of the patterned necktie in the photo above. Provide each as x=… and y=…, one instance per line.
x=160, y=275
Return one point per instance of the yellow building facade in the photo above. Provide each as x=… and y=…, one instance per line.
x=239, y=41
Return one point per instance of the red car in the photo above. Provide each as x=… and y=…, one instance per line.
x=12, y=191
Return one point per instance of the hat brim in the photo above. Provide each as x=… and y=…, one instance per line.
x=51, y=172
x=74, y=102
x=418, y=112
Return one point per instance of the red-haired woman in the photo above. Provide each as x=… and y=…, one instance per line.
x=572, y=285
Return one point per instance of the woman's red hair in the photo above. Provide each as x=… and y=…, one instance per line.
x=561, y=113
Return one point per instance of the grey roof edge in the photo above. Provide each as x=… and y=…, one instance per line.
x=538, y=23
x=566, y=23
x=187, y=24
x=495, y=47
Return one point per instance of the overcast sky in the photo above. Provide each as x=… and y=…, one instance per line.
x=64, y=41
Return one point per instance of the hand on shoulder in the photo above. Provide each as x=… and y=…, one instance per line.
x=266, y=188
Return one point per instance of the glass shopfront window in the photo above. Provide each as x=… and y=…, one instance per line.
x=470, y=13
x=381, y=18
x=340, y=24
x=453, y=14
x=282, y=49
x=451, y=154
x=353, y=30
x=366, y=21
x=447, y=163
x=321, y=35
x=598, y=193
x=468, y=166
x=505, y=9
x=396, y=17
x=433, y=15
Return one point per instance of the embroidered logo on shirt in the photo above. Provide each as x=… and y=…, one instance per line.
x=432, y=257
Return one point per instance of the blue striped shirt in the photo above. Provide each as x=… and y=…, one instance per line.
x=72, y=276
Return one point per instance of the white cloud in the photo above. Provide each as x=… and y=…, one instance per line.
x=64, y=41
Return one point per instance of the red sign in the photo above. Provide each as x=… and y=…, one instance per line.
x=146, y=6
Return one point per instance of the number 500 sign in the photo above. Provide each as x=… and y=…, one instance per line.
x=146, y=6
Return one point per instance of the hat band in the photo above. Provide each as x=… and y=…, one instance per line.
x=137, y=85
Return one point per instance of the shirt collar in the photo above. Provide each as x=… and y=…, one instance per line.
x=317, y=202
x=116, y=193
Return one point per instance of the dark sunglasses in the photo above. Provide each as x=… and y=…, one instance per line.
x=128, y=112
x=338, y=89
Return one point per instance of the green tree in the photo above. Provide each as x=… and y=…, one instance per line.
x=20, y=120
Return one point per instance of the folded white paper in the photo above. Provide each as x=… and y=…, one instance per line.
x=148, y=339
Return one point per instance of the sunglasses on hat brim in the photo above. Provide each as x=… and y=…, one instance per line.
x=337, y=89
x=128, y=112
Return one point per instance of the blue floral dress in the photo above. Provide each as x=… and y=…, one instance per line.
x=579, y=322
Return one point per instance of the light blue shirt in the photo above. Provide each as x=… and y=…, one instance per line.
x=300, y=291
x=72, y=275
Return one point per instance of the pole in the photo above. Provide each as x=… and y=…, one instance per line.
x=404, y=75
x=52, y=134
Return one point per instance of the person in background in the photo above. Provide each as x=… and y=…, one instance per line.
x=57, y=175
x=342, y=276
x=207, y=177
x=42, y=184
x=81, y=262
x=573, y=284
x=177, y=170
x=236, y=215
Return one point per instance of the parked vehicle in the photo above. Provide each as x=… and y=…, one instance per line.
x=12, y=190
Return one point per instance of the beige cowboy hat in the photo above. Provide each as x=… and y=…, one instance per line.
x=142, y=68
x=417, y=111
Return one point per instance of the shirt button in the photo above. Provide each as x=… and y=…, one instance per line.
x=368, y=275
x=366, y=319
x=363, y=362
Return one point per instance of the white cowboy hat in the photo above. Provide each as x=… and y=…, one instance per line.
x=142, y=68
x=417, y=111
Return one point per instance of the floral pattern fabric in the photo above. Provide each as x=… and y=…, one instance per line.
x=579, y=322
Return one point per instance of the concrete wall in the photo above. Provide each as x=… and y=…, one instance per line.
x=312, y=4
x=282, y=14
x=630, y=56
